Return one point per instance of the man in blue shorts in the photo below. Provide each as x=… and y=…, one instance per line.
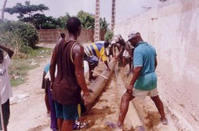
x=69, y=80
x=144, y=81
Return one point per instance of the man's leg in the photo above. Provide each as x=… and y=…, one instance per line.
x=67, y=125
x=6, y=113
x=47, y=103
x=59, y=123
x=126, y=98
x=160, y=107
x=129, y=61
x=59, y=114
x=123, y=61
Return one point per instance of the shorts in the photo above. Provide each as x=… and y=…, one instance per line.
x=67, y=112
x=144, y=93
x=6, y=113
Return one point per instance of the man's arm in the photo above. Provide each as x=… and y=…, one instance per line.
x=136, y=73
x=53, y=64
x=138, y=63
x=43, y=80
x=10, y=52
x=156, y=62
x=120, y=51
x=78, y=55
x=106, y=63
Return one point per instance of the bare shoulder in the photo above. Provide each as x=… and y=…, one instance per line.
x=78, y=49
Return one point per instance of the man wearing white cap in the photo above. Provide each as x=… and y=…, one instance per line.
x=119, y=43
x=125, y=51
x=144, y=81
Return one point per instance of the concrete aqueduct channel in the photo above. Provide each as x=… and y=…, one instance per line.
x=173, y=29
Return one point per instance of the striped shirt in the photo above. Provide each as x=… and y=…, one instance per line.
x=96, y=49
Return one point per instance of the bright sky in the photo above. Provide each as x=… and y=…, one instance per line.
x=124, y=8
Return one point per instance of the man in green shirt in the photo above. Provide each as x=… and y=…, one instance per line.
x=144, y=81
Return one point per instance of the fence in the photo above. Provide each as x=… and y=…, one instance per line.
x=52, y=35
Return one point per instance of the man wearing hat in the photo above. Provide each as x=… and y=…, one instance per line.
x=118, y=43
x=144, y=81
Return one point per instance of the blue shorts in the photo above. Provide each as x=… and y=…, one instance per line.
x=67, y=112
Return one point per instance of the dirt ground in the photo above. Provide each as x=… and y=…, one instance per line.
x=28, y=112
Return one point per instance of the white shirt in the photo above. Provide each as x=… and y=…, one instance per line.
x=5, y=87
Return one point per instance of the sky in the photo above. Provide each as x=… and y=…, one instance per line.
x=124, y=8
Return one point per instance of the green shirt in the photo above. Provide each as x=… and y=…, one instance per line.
x=144, y=56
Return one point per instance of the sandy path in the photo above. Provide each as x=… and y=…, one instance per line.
x=30, y=112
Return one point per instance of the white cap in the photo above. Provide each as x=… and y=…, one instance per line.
x=133, y=35
x=116, y=39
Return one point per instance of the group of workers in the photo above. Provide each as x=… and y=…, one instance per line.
x=64, y=82
x=66, y=72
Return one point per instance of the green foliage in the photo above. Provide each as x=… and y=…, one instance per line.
x=25, y=11
x=87, y=20
x=18, y=34
x=103, y=24
x=44, y=22
x=108, y=36
x=61, y=21
x=32, y=14
x=20, y=66
x=12, y=40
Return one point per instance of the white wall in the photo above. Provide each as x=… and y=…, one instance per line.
x=174, y=31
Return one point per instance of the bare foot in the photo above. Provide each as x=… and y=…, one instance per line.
x=113, y=126
x=164, y=121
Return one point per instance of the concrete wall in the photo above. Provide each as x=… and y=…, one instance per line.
x=52, y=35
x=174, y=31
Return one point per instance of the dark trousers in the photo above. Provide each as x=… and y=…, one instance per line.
x=6, y=113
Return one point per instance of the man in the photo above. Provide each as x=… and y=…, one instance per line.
x=128, y=56
x=118, y=43
x=69, y=81
x=93, y=53
x=125, y=51
x=45, y=80
x=144, y=81
x=50, y=105
x=5, y=87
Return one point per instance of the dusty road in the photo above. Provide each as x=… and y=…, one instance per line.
x=28, y=112
x=27, y=107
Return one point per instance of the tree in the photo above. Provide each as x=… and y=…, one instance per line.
x=61, y=21
x=40, y=21
x=108, y=35
x=87, y=19
x=103, y=24
x=26, y=12
x=3, y=10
